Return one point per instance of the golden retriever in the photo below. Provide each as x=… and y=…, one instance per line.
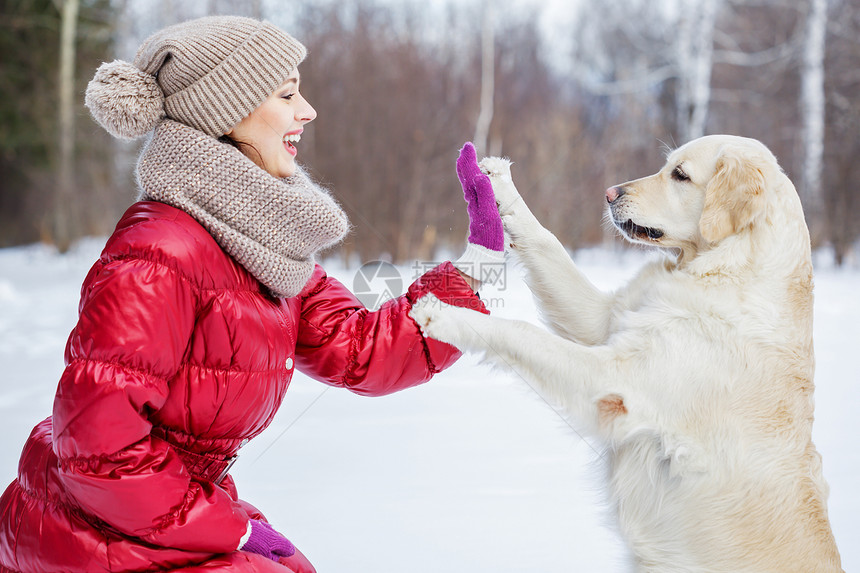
x=697, y=375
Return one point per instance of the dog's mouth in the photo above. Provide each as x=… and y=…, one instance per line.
x=635, y=231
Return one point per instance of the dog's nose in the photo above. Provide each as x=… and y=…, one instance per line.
x=614, y=193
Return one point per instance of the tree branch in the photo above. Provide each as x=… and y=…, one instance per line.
x=641, y=83
x=754, y=59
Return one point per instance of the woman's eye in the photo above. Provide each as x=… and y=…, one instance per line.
x=288, y=96
x=679, y=175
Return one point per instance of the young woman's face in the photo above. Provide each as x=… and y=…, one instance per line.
x=270, y=132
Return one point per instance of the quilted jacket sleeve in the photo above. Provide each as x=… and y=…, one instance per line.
x=135, y=320
x=342, y=343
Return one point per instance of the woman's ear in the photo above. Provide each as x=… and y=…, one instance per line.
x=735, y=195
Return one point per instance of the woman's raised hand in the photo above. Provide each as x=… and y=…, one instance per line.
x=485, y=225
x=485, y=251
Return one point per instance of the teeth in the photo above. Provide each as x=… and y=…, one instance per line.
x=293, y=138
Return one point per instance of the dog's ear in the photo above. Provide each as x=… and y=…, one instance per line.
x=735, y=195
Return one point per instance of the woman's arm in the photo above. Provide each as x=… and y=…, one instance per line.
x=342, y=343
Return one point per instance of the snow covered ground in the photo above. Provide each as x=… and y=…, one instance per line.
x=471, y=472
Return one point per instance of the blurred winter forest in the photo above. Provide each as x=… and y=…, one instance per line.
x=580, y=95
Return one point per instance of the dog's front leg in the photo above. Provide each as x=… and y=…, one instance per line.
x=582, y=380
x=572, y=305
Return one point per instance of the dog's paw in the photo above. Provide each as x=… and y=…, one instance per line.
x=436, y=319
x=422, y=311
x=498, y=169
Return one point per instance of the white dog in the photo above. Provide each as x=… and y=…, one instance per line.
x=698, y=375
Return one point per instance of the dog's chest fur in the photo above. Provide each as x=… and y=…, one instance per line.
x=721, y=425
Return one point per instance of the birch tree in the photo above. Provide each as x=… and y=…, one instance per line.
x=812, y=105
x=674, y=43
x=488, y=64
x=694, y=50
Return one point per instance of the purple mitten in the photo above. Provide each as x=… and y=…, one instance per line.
x=485, y=225
x=484, y=258
x=265, y=541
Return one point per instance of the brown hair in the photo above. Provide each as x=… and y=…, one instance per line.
x=241, y=146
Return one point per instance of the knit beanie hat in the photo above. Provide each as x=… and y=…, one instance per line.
x=208, y=73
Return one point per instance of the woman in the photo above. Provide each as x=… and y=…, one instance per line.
x=203, y=302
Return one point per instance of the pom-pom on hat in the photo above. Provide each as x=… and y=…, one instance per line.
x=208, y=73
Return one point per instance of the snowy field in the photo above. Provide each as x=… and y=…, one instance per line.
x=471, y=472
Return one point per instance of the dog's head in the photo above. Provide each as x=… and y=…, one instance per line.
x=709, y=189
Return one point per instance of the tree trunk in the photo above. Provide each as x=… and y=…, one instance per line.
x=704, y=63
x=488, y=60
x=65, y=189
x=812, y=108
x=695, y=56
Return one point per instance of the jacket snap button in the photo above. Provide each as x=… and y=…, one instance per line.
x=289, y=364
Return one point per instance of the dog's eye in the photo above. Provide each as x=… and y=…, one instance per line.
x=679, y=175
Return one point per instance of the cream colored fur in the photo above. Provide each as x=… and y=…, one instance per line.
x=697, y=375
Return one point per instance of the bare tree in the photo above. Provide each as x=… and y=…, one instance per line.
x=694, y=51
x=812, y=106
x=840, y=200
x=398, y=93
x=650, y=45
x=65, y=187
x=488, y=66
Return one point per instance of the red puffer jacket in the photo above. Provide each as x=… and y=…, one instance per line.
x=178, y=358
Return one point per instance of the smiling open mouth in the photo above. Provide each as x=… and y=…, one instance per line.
x=635, y=231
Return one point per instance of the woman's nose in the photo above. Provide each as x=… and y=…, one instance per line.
x=306, y=112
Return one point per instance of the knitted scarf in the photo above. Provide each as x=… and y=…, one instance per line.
x=271, y=226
